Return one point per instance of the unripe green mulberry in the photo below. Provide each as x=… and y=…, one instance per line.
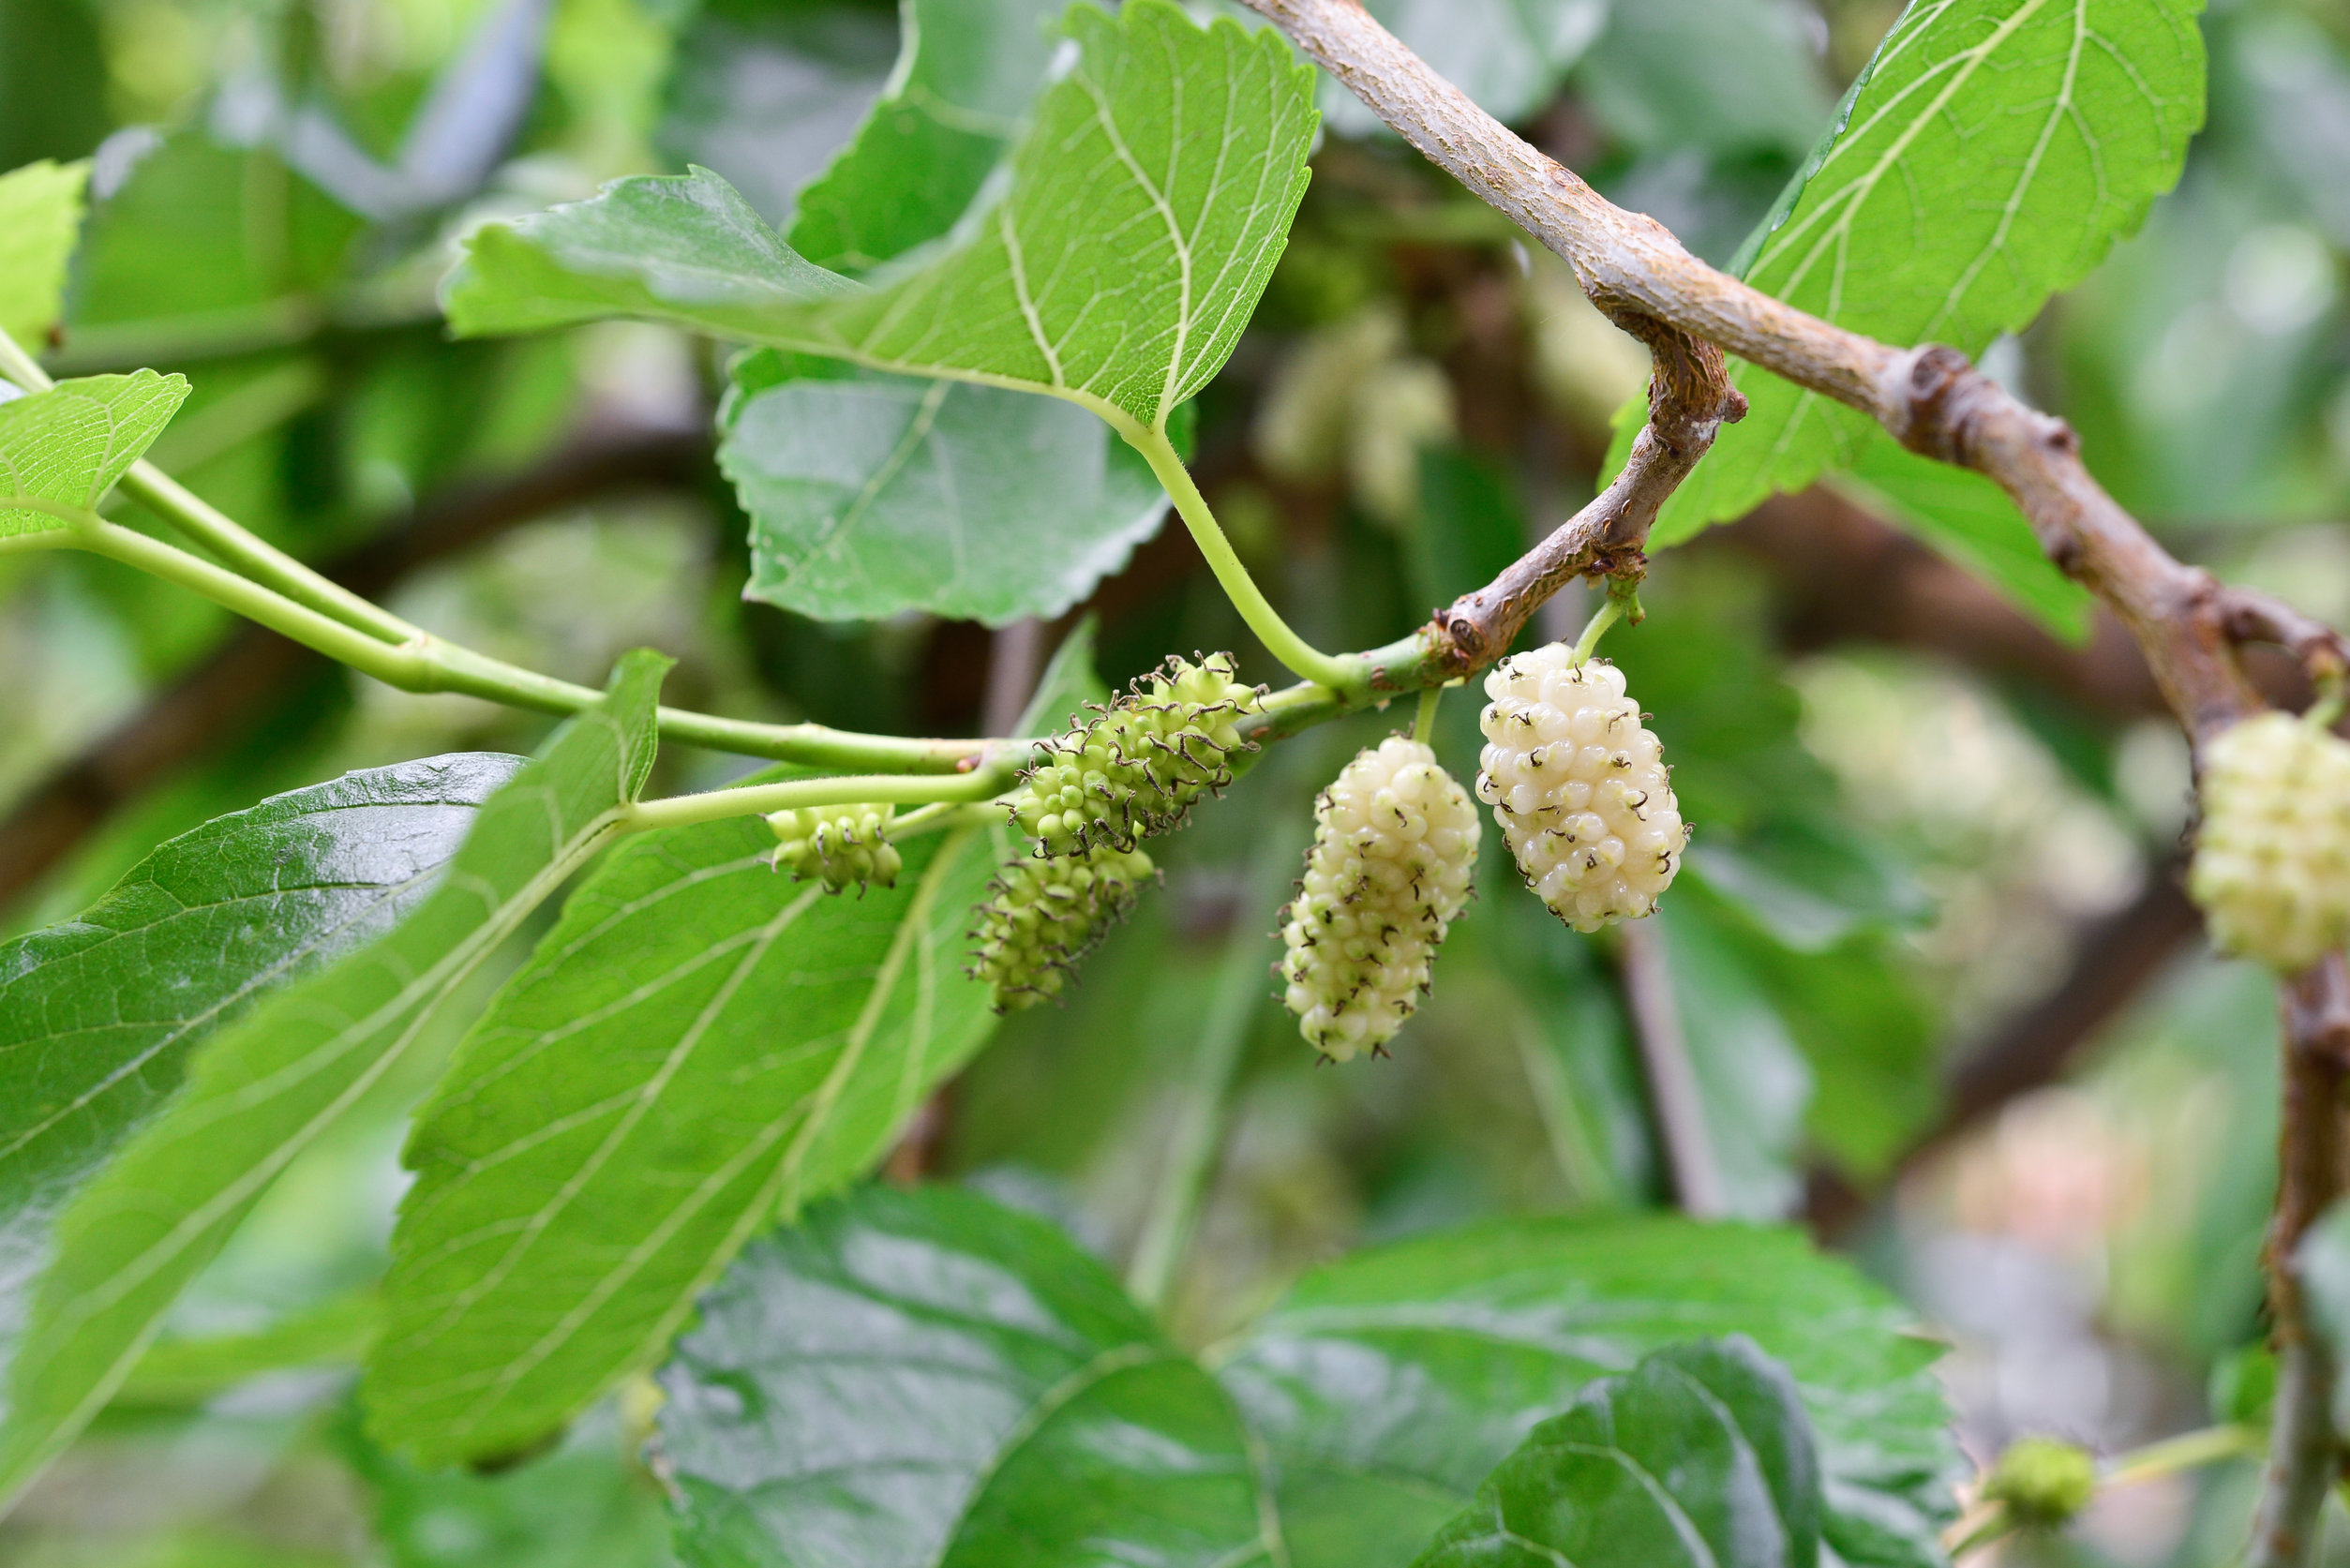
x=1043, y=915
x=1395, y=842
x=1579, y=788
x=2044, y=1482
x=2272, y=857
x=1138, y=767
x=837, y=846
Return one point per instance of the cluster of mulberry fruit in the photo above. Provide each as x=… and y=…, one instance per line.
x=1394, y=843
x=837, y=846
x=2272, y=857
x=1579, y=788
x=1138, y=767
x=1041, y=916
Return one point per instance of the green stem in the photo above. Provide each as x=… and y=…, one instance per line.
x=940, y=816
x=2185, y=1452
x=1597, y=628
x=207, y=526
x=1424, y=722
x=425, y=664
x=204, y=524
x=717, y=805
x=1341, y=675
x=2332, y=693
x=406, y=666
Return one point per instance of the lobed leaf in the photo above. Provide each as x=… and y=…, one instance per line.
x=879, y=494
x=98, y=1016
x=40, y=219
x=1699, y=1457
x=261, y=1092
x=1142, y=218
x=1990, y=155
x=66, y=446
x=910, y=1379
x=1387, y=1384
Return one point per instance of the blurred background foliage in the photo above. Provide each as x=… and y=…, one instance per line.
x=1943, y=998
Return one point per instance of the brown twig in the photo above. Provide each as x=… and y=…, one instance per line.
x=1674, y=1103
x=2303, y=1451
x=1933, y=401
x=228, y=695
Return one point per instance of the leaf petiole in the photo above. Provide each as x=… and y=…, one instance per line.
x=1339, y=675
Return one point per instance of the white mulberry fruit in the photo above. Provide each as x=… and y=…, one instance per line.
x=1394, y=843
x=1137, y=768
x=837, y=846
x=2272, y=857
x=1579, y=788
x=1041, y=916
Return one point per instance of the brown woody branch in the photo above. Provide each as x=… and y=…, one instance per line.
x=1933, y=401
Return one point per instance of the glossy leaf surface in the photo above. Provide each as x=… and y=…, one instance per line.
x=263, y=1091
x=910, y=1379
x=98, y=1016
x=1699, y=1457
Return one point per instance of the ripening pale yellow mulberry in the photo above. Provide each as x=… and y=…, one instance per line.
x=1579, y=788
x=838, y=845
x=1395, y=843
x=2272, y=856
x=1041, y=916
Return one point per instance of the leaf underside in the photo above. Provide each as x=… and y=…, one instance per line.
x=877, y=494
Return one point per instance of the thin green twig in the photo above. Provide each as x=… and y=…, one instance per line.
x=216, y=532
x=717, y=805
x=1424, y=722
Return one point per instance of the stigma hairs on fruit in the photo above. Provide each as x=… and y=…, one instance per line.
x=1395, y=843
x=2272, y=856
x=1043, y=915
x=1579, y=788
x=1137, y=768
x=840, y=847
